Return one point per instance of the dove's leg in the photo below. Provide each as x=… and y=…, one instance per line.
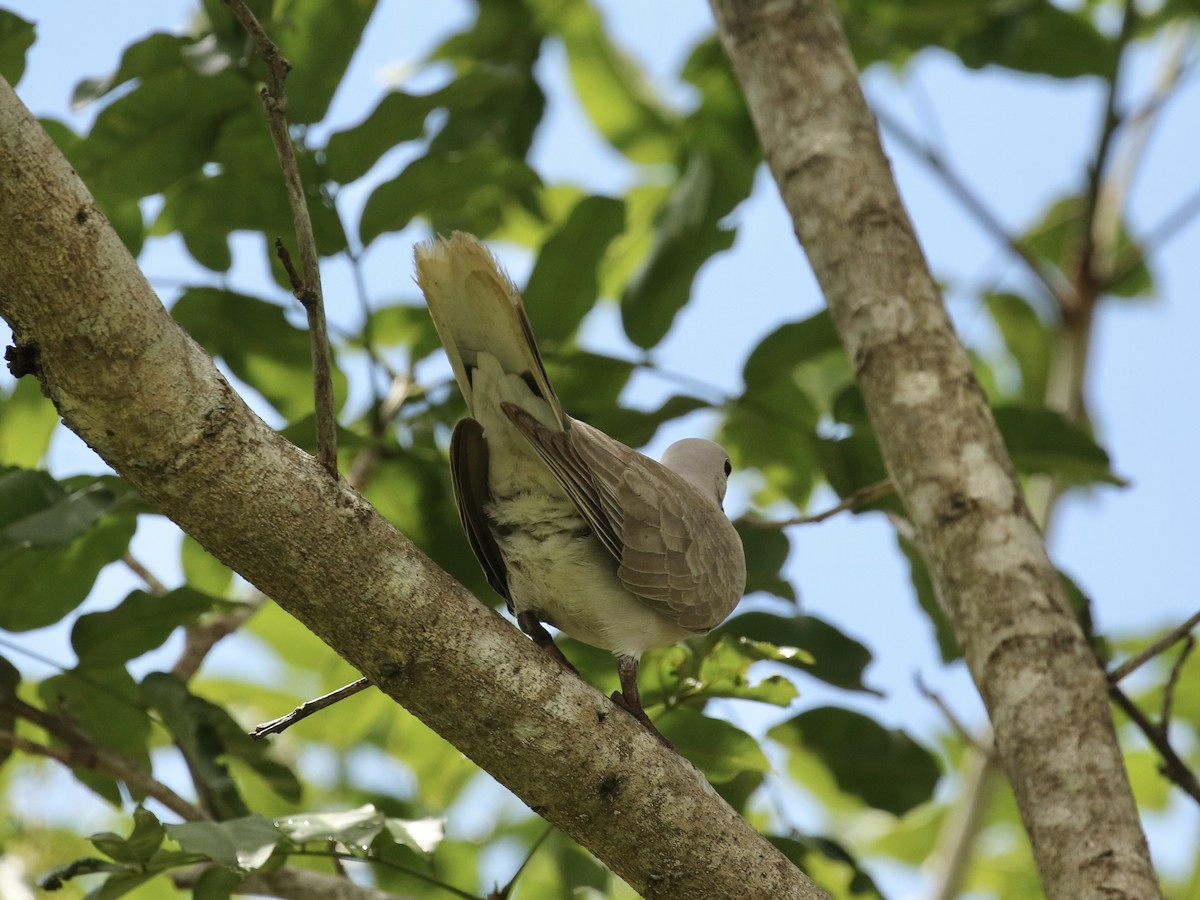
x=532, y=626
x=630, y=700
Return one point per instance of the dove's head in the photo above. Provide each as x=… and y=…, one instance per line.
x=701, y=463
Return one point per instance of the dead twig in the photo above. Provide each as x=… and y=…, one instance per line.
x=307, y=289
x=307, y=708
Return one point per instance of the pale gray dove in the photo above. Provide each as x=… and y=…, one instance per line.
x=571, y=527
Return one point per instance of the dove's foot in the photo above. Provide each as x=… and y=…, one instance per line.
x=630, y=700
x=532, y=626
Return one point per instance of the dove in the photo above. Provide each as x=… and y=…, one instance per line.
x=571, y=527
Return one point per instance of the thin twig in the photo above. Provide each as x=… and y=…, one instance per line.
x=1055, y=286
x=201, y=638
x=861, y=497
x=83, y=752
x=504, y=892
x=1172, y=766
x=307, y=291
x=1088, y=282
x=986, y=748
x=1168, y=700
x=307, y=708
x=1178, y=633
x=156, y=587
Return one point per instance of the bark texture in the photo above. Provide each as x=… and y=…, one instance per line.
x=128, y=380
x=1045, y=693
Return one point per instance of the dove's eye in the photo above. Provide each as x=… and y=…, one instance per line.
x=728, y=468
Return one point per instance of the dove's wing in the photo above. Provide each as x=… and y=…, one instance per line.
x=469, y=472
x=675, y=549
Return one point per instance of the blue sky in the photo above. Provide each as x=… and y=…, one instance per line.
x=1020, y=141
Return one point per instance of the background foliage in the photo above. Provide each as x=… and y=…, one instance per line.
x=777, y=707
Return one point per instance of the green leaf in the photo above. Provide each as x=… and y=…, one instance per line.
x=766, y=551
x=146, y=140
x=927, y=599
x=142, y=843
x=16, y=37
x=1028, y=339
x=217, y=883
x=258, y=344
x=564, y=282
x=243, y=844
x=103, y=703
x=155, y=55
x=42, y=585
x=466, y=190
x=138, y=625
x=318, y=39
x=1043, y=442
x=38, y=512
x=686, y=234
x=616, y=96
x=827, y=654
x=1057, y=238
x=636, y=427
x=886, y=768
x=27, y=419
x=10, y=679
x=720, y=750
x=828, y=863
x=203, y=571
x=205, y=732
x=1038, y=37
x=399, y=117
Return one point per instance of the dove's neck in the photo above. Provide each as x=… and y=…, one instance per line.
x=702, y=464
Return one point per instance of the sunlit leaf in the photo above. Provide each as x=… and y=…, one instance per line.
x=242, y=844
x=27, y=419
x=807, y=643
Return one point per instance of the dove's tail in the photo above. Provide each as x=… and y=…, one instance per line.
x=476, y=309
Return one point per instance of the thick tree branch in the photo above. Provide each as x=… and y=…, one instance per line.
x=131, y=383
x=1027, y=654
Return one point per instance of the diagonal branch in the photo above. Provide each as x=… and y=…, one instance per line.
x=1005, y=600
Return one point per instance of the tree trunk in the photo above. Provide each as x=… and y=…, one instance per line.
x=128, y=380
x=1045, y=693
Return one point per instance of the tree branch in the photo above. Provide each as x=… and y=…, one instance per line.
x=307, y=291
x=308, y=707
x=152, y=404
x=81, y=751
x=1025, y=650
x=1131, y=665
x=861, y=497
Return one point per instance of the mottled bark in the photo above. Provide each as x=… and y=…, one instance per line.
x=1044, y=691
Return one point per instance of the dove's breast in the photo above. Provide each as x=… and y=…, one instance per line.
x=558, y=569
